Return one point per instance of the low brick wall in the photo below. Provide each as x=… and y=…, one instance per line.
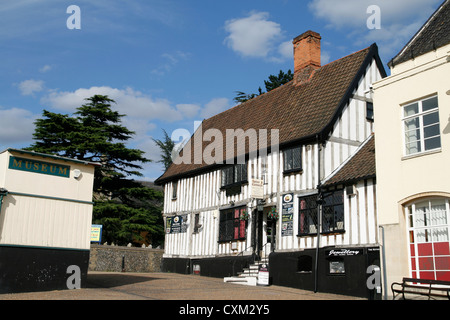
x=128, y=259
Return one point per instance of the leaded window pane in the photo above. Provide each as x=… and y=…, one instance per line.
x=333, y=211
x=308, y=215
x=292, y=159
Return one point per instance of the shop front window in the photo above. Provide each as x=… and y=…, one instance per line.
x=429, y=223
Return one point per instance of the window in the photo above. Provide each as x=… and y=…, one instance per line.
x=197, y=224
x=307, y=215
x=233, y=175
x=231, y=227
x=333, y=212
x=429, y=223
x=421, y=126
x=369, y=111
x=174, y=190
x=304, y=264
x=336, y=266
x=292, y=159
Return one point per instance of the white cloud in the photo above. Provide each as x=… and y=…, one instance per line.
x=215, y=106
x=324, y=57
x=45, y=68
x=353, y=13
x=29, y=87
x=16, y=126
x=170, y=61
x=188, y=110
x=255, y=36
x=128, y=101
x=286, y=49
x=399, y=19
x=141, y=111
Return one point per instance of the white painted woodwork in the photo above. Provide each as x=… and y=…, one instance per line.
x=202, y=194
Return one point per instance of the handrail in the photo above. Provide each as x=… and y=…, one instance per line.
x=242, y=252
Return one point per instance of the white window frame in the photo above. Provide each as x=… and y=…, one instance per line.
x=420, y=115
x=428, y=229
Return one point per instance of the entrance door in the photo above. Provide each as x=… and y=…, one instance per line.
x=257, y=232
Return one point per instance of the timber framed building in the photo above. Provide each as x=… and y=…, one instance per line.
x=303, y=199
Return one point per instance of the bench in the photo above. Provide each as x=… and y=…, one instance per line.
x=423, y=287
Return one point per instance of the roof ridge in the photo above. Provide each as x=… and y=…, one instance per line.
x=347, y=56
x=300, y=112
x=288, y=83
x=419, y=32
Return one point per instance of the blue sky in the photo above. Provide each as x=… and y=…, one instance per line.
x=169, y=63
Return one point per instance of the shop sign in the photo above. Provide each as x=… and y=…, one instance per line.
x=35, y=166
x=263, y=275
x=287, y=215
x=96, y=233
x=176, y=224
x=343, y=252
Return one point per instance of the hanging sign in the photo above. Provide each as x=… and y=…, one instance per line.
x=287, y=215
x=257, y=189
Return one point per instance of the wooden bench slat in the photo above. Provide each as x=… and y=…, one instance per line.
x=424, y=287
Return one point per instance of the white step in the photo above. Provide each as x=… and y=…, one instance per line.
x=249, y=281
x=249, y=276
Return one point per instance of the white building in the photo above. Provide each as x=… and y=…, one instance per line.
x=45, y=220
x=412, y=108
x=285, y=148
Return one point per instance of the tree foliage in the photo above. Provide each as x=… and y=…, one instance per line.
x=273, y=82
x=94, y=133
x=166, y=146
x=277, y=81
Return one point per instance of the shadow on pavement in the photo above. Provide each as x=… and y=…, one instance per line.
x=110, y=280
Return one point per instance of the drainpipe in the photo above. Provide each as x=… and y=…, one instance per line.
x=319, y=207
x=383, y=257
x=3, y=193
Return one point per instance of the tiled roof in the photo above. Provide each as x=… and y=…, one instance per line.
x=299, y=112
x=360, y=166
x=435, y=33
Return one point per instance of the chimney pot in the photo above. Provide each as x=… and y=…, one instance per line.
x=306, y=55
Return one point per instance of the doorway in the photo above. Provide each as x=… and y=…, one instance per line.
x=257, y=234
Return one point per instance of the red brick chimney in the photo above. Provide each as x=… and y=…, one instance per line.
x=306, y=55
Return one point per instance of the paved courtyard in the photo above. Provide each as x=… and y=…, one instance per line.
x=169, y=286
